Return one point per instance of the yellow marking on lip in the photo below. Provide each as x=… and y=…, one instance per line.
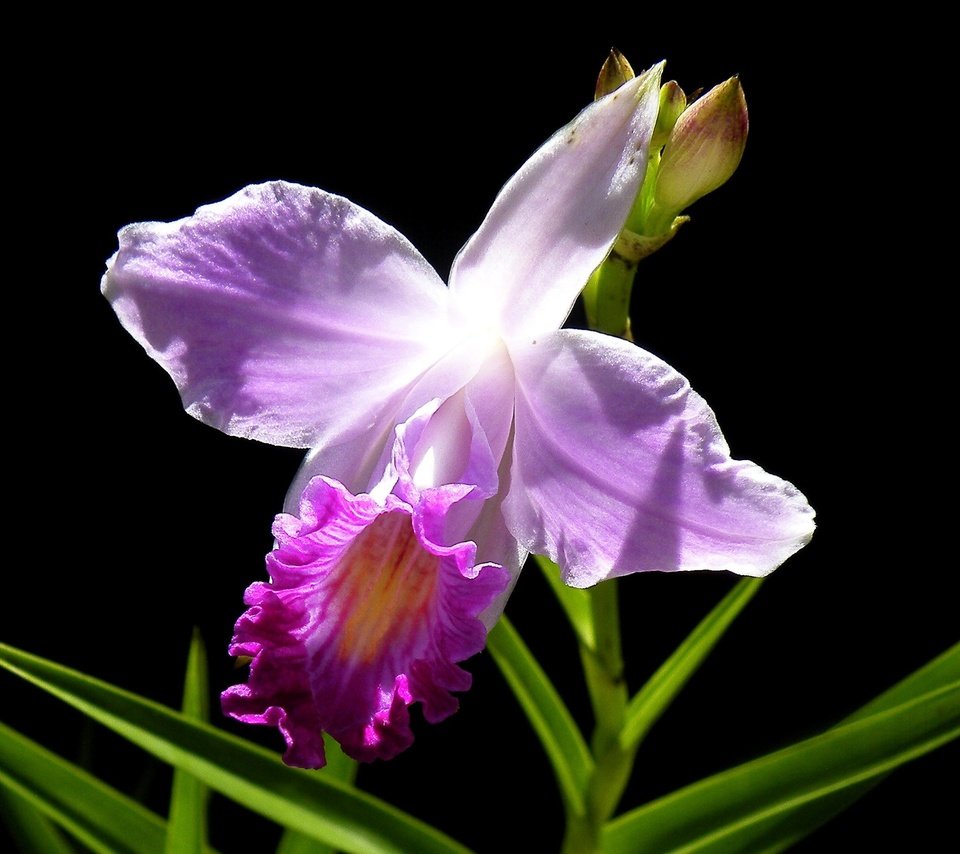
x=387, y=579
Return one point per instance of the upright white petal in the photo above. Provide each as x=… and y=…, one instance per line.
x=556, y=218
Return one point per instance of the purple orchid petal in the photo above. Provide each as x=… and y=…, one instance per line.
x=442, y=444
x=489, y=396
x=556, y=218
x=468, y=438
x=364, y=615
x=495, y=543
x=490, y=402
x=463, y=440
x=620, y=467
x=358, y=461
x=283, y=313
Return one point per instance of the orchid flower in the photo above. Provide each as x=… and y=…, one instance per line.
x=453, y=429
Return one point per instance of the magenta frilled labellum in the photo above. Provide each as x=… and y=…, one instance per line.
x=364, y=614
x=452, y=429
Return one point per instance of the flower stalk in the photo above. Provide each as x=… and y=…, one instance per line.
x=693, y=151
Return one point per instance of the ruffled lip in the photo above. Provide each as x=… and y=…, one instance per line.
x=364, y=615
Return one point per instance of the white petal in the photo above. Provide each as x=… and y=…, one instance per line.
x=556, y=218
x=620, y=467
x=283, y=313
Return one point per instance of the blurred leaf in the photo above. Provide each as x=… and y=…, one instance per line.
x=712, y=814
x=32, y=831
x=781, y=831
x=561, y=739
x=293, y=842
x=187, y=826
x=100, y=817
x=314, y=804
x=653, y=699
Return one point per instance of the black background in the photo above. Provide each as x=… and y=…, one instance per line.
x=132, y=522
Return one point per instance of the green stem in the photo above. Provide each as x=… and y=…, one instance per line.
x=603, y=667
x=607, y=296
x=607, y=301
x=582, y=836
x=603, y=671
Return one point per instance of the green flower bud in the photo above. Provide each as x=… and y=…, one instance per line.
x=704, y=148
x=615, y=72
x=673, y=102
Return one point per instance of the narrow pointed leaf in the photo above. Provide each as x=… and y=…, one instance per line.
x=556, y=729
x=100, y=817
x=339, y=766
x=781, y=831
x=940, y=671
x=575, y=602
x=32, y=831
x=187, y=827
x=294, y=842
x=318, y=806
x=90, y=838
x=705, y=816
x=653, y=699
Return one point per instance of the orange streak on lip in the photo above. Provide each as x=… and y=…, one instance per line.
x=386, y=580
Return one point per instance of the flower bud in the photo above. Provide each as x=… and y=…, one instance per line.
x=673, y=102
x=615, y=72
x=704, y=148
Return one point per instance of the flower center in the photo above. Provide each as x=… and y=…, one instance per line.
x=387, y=582
x=443, y=451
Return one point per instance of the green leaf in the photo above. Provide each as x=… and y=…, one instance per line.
x=294, y=842
x=32, y=831
x=575, y=603
x=942, y=670
x=710, y=814
x=780, y=832
x=187, y=826
x=339, y=766
x=97, y=815
x=653, y=699
x=313, y=804
x=561, y=739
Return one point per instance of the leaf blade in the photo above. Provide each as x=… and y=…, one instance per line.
x=549, y=717
x=187, y=821
x=322, y=808
x=339, y=766
x=32, y=831
x=96, y=814
x=706, y=815
x=781, y=832
x=653, y=699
